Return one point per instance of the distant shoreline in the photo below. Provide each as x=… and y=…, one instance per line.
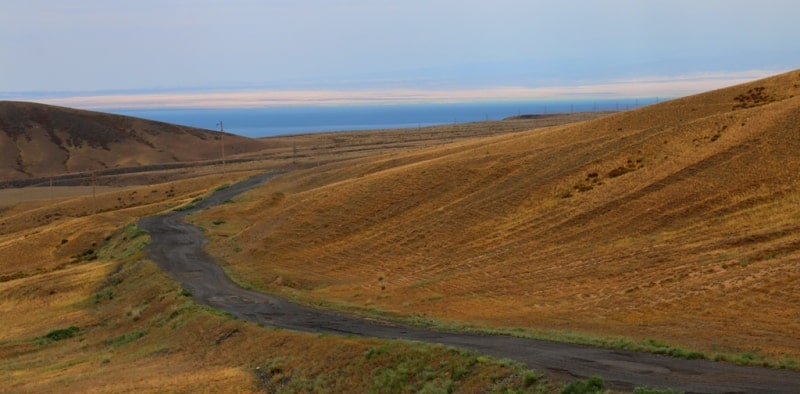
x=553, y=115
x=281, y=121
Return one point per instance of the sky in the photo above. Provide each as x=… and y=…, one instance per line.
x=207, y=53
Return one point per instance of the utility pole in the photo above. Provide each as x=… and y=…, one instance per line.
x=222, y=142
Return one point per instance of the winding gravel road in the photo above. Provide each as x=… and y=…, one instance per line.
x=177, y=248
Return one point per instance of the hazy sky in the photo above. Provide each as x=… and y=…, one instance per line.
x=411, y=48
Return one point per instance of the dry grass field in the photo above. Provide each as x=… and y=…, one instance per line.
x=675, y=224
x=82, y=310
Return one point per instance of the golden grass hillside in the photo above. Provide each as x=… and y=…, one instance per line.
x=676, y=222
x=83, y=310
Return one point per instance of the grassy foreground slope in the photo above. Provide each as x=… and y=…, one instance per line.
x=676, y=222
x=83, y=310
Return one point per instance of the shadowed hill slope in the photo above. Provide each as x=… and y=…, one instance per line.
x=677, y=222
x=42, y=140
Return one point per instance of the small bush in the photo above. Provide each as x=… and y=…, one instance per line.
x=61, y=334
x=619, y=171
x=531, y=377
x=593, y=385
x=788, y=363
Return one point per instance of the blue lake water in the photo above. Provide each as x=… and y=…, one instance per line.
x=271, y=121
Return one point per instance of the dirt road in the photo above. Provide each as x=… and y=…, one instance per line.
x=177, y=248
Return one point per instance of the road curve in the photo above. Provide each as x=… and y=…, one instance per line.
x=177, y=249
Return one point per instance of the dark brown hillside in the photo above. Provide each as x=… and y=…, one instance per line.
x=42, y=140
x=676, y=222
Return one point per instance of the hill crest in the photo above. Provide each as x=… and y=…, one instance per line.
x=42, y=140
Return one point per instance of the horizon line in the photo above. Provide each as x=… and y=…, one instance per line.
x=641, y=87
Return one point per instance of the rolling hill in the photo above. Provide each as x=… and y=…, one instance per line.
x=38, y=140
x=670, y=225
x=674, y=223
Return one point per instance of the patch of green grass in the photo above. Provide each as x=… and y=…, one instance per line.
x=529, y=378
x=134, y=231
x=592, y=385
x=104, y=294
x=657, y=347
x=377, y=351
x=222, y=187
x=124, y=243
x=405, y=367
x=61, y=334
x=126, y=338
x=788, y=363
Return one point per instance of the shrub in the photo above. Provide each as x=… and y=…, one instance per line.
x=595, y=384
x=61, y=334
x=619, y=171
x=531, y=377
